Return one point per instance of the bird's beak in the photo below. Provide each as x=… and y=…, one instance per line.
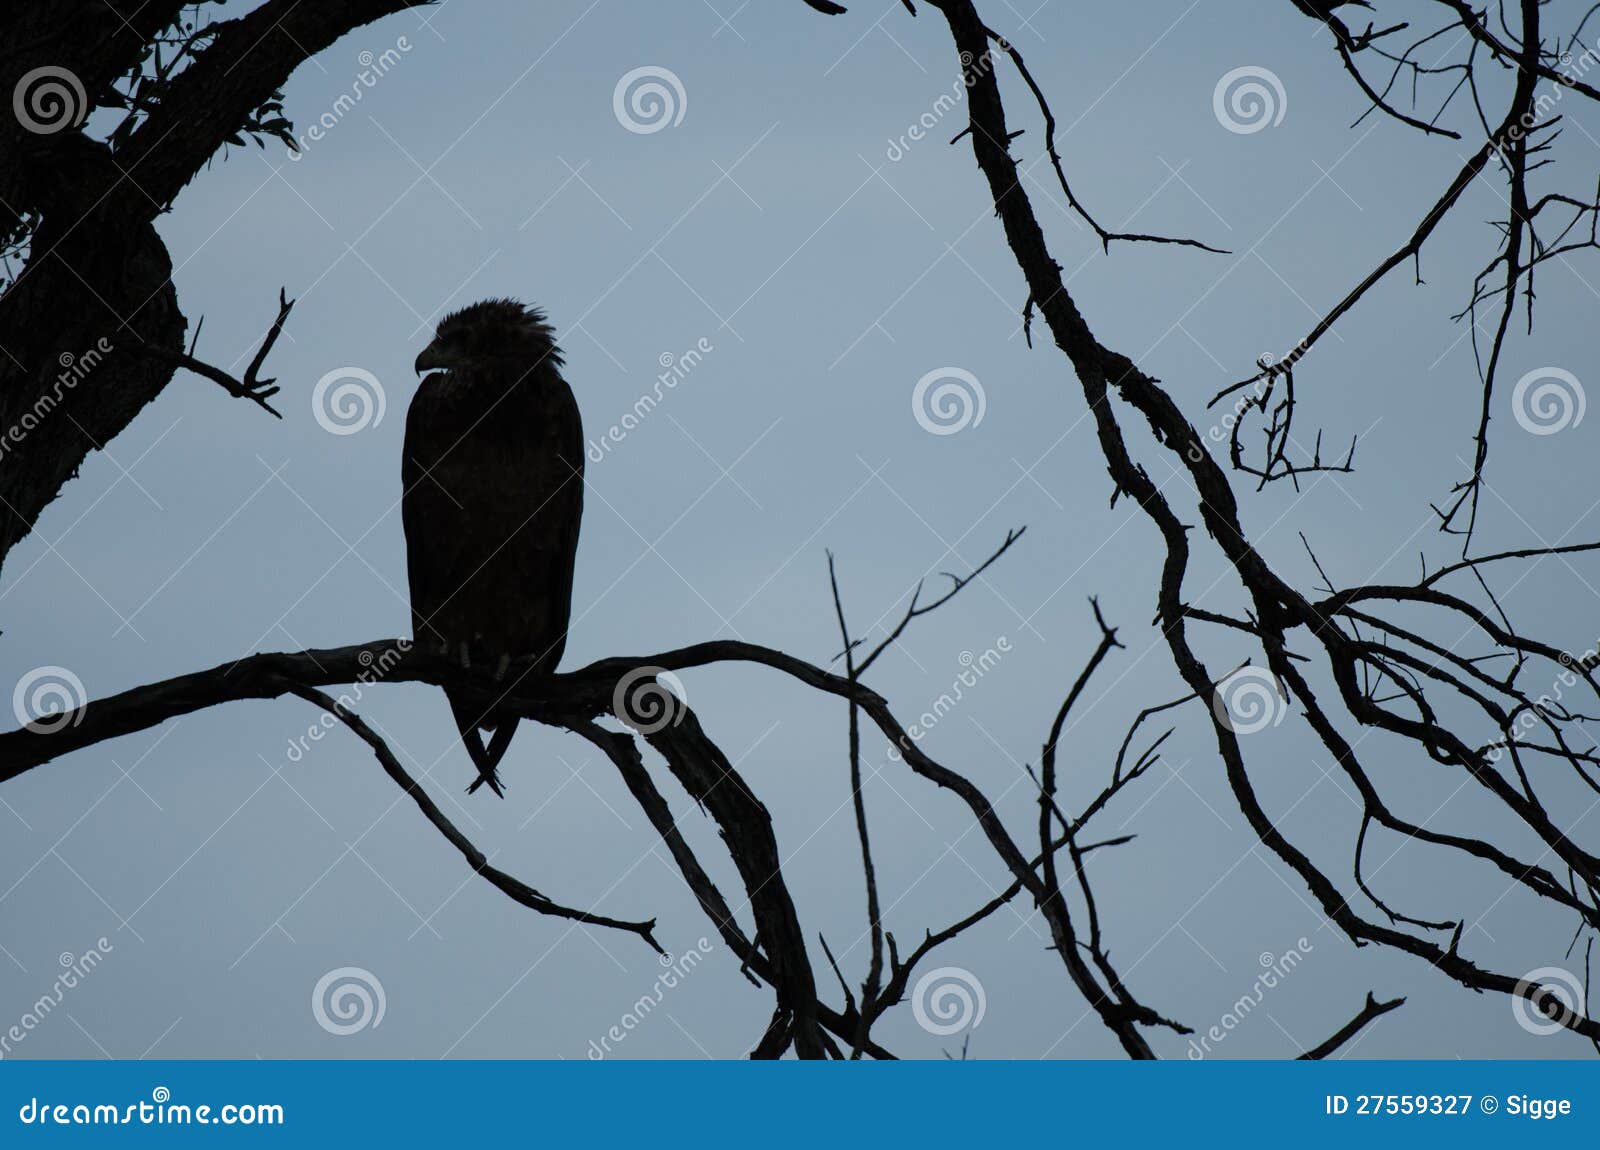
x=429, y=358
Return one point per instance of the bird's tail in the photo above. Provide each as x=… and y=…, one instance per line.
x=485, y=757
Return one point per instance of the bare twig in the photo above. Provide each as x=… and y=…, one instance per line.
x=250, y=386
x=515, y=888
x=1372, y=1010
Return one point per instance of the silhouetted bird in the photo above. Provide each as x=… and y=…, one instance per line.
x=493, y=475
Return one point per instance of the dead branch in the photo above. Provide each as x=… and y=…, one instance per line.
x=518, y=890
x=250, y=386
x=1373, y=1009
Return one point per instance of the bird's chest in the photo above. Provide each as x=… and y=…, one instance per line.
x=476, y=430
x=515, y=455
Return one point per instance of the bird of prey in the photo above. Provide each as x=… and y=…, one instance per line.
x=493, y=494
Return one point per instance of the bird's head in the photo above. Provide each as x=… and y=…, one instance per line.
x=493, y=334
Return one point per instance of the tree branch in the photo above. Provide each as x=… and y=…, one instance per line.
x=1372, y=1010
x=515, y=888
